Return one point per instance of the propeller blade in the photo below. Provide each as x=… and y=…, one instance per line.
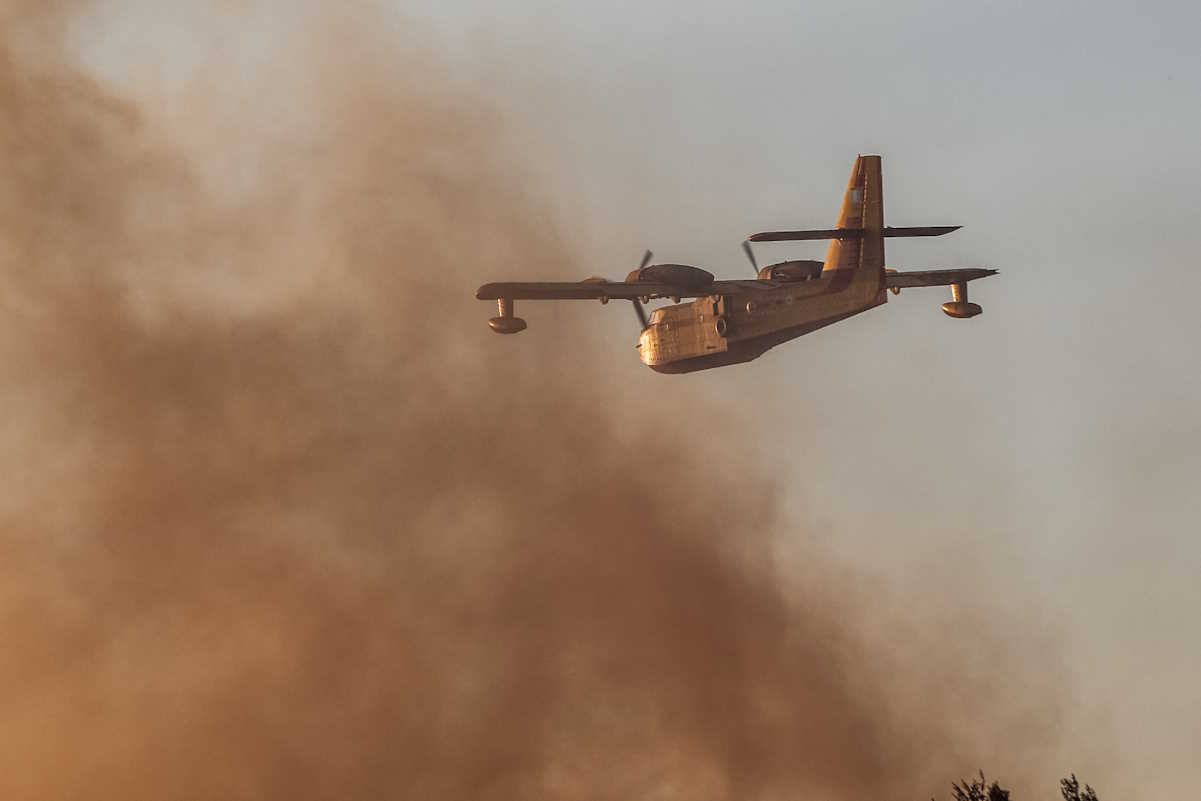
x=641, y=312
x=750, y=254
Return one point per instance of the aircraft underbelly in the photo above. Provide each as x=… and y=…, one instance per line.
x=684, y=338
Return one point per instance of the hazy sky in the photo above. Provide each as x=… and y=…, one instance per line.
x=1052, y=447
x=1044, y=458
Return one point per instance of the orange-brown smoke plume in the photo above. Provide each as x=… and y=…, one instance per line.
x=282, y=519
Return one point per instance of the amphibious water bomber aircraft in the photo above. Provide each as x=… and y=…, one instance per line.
x=736, y=321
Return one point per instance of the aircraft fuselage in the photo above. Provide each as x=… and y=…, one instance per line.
x=717, y=330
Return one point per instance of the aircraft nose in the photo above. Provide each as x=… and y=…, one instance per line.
x=646, y=345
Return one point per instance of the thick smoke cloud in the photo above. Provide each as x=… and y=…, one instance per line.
x=281, y=519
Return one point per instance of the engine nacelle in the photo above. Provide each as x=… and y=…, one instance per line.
x=959, y=306
x=682, y=275
x=790, y=271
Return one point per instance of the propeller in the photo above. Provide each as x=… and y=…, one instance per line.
x=641, y=312
x=750, y=254
x=638, y=310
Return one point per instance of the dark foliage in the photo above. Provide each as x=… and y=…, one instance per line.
x=1070, y=788
x=980, y=789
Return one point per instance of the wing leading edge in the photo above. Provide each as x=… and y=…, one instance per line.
x=605, y=290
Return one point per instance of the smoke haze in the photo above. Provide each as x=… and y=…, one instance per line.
x=282, y=519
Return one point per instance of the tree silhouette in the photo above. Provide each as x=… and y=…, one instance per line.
x=979, y=789
x=1070, y=788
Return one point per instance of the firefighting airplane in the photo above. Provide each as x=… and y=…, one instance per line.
x=737, y=321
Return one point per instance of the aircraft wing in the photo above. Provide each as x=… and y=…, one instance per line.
x=606, y=290
x=935, y=277
x=622, y=290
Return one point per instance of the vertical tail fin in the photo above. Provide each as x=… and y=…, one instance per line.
x=862, y=208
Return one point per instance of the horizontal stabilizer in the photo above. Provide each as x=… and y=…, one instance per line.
x=922, y=230
x=935, y=277
x=849, y=233
x=797, y=236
